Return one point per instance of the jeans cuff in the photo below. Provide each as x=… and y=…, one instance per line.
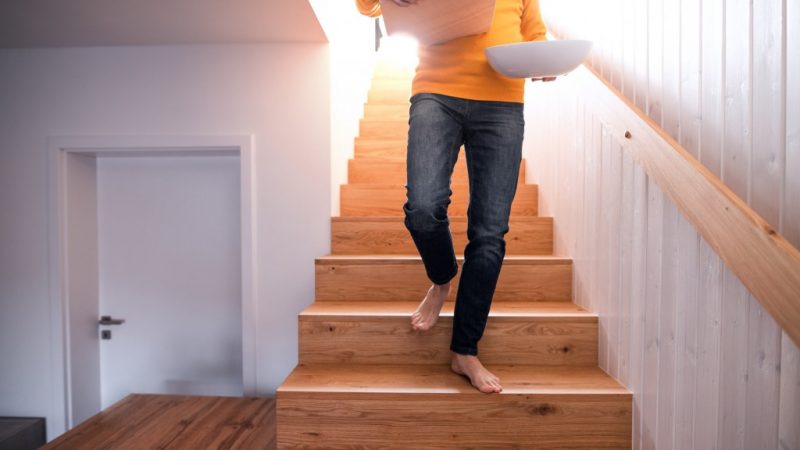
x=446, y=278
x=464, y=350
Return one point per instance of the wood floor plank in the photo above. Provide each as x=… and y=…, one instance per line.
x=176, y=422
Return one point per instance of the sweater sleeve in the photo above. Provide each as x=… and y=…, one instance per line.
x=371, y=8
x=533, y=27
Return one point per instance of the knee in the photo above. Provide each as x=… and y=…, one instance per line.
x=425, y=214
x=488, y=237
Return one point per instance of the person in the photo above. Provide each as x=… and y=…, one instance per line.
x=457, y=98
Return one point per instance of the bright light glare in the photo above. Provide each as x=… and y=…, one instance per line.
x=399, y=50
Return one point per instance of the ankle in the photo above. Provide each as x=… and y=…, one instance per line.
x=441, y=287
x=461, y=357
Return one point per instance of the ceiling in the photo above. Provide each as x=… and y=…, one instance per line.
x=69, y=23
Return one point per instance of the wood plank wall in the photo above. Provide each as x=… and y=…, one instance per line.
x=709, y=367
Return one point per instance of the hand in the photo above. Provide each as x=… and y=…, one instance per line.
x=405, y=2
x=544, y=79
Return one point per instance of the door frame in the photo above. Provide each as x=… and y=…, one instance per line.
x=58, y=149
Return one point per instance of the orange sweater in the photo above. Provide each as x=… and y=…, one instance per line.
x=459, y=67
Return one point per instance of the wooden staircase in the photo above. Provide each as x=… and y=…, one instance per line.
x=365, y=379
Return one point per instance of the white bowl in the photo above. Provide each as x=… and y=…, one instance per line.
x=536, y=59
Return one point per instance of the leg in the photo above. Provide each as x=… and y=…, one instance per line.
x=493, y=143
x=434, y=138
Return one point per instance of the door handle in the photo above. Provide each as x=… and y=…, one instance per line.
x=107, y=320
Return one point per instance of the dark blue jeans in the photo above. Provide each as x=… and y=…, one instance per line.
x=491, y=133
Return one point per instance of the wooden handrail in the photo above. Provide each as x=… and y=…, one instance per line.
x=766, y=263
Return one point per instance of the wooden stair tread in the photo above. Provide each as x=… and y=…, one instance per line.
x=383, y=309
x=416, y=259
x=427, y=379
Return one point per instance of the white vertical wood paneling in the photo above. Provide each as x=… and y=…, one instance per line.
x=686, y=308
x=655, y=49
x=637, y=294
x=600, y=275
x=671, y=67
x=790, y=213
x=666, y=327
x=709, y=369
x=789, y=419
x=737, y=136
x=767, y=159
x=611, y=203
x=763, y=378
x=706, y=390
x=652, y=277
x=689, y=102
x=712, y=84
x=627, y=34
x=733, y=367
x=625, y=249
x=640, y=43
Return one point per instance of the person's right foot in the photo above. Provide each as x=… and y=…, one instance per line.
x=471, y=367
x=427, y=312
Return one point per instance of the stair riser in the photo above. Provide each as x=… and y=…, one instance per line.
x=390, y=340
x=389, y=96
x=391, y=73
x=378, y=148
x=403, y=421
x=378, y=171
x=391, y=84
x=408, y=282
x=382, y=237
x=384, y=129
x=398, y=113
x=359, y=200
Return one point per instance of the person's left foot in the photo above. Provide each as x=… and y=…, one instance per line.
x=427, y=312
x=471, y=367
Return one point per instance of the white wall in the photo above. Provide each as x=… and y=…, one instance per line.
x=709, y=367
x=277, y=92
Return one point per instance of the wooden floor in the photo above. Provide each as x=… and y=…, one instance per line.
x=143, y=421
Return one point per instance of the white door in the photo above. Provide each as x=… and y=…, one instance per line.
x=169, y=265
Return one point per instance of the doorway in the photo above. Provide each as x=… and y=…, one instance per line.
x=153, y=287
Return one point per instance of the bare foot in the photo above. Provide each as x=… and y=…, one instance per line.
x=472, y=368
x=427, y=312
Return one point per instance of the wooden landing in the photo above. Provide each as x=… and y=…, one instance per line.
x=145, y=421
